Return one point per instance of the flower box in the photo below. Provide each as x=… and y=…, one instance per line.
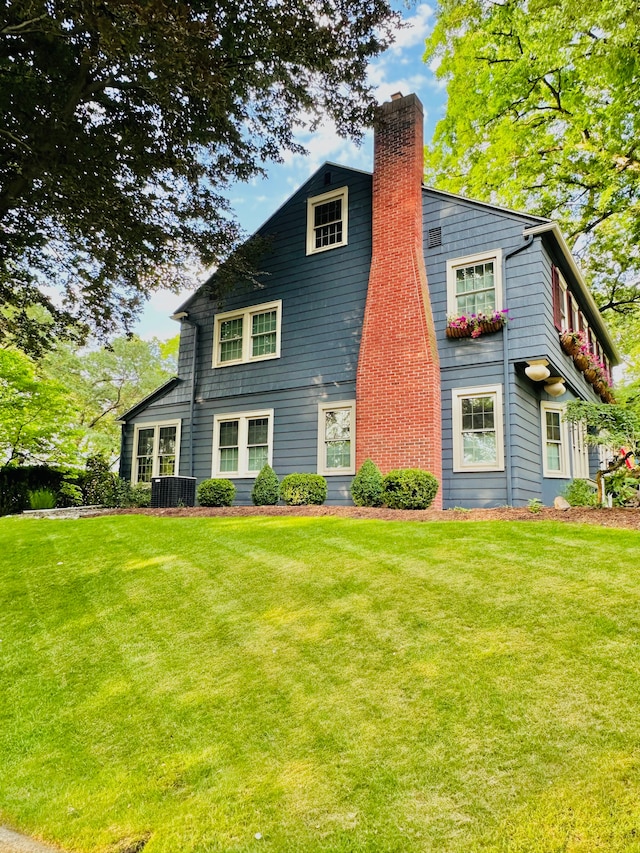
x=476, y=325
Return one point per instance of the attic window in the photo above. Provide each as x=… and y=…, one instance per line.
x=327, y=216
x=434, y=237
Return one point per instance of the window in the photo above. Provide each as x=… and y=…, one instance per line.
x=336, y=438
x=474, y=284
x=327, y=221
x=242, y=443
x=156, y=450
x=252, y=334
x=555, y=462
x=478, y=443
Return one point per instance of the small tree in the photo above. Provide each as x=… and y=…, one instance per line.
x=610, y=425
x=366, y=486
x=266, y=488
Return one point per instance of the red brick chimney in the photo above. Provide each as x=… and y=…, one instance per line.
x=398, y=379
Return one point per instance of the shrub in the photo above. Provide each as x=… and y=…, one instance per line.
x=303, y=489
x=409, y=488
x=140, y=494
x=100, y=485
x=366, y=486
x=42, y=499
x=580, y=493
x=69, y=494
x=216, y=492
x=266, y=488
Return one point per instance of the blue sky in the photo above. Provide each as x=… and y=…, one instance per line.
x=400, y=69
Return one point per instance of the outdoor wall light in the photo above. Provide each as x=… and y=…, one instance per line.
x=537, y=370
x=555, y=386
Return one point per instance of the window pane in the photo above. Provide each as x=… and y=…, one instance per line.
x=145, y=441
x=553, y=457
x=553, y=426
x=167, y=466
x=145, y=469
x=327, y=221
x=229, y=434
x=231, y=339
x=258, y=431
x=262, y=323
x=228, y=459
x=167, y=443
x=475, y=289
x=337, y=425
x=479, y=448
x=258, y=457
x=338, y=454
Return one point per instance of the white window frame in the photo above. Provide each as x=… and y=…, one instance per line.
x=340, y=193
x=460, y=394
x=565, y=303
x=246, y=314
x=454, y=264
x=155, y=465
x=564, y=472
x=243, y=419
x=349, y=405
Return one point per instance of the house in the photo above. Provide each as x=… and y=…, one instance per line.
x=347, y=350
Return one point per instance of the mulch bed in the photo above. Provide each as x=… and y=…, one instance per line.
x=615, y=517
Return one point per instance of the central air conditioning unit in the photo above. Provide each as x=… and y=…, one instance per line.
x=173, y=491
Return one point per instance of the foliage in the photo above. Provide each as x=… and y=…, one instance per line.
x=535, y=505
x=37, y=418
x=580, y=493
x=409, y=488
x=103, y=383
x=366, y=486
x=216, y=492
x=140, y=494
x=303, y=489
x=543, y=115
x=69, y=494
x=122, y=125
x=42, y=499
x=611, y=425
x=325, y=665
x=477, y=324
x=623, y=487
x=266, y=488
x=17, y=481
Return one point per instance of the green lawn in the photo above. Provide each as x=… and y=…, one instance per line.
x=318, y=684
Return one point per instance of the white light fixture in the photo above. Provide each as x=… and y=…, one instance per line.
x=555, y=386
x=537, y=370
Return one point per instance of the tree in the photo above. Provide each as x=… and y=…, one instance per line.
x=37, y=419
x=122, y=123
x=103, y=383
x=543, y=114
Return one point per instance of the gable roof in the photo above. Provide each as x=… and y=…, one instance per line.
x=150, y=398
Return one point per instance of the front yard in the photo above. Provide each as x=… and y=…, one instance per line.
x=320, y=684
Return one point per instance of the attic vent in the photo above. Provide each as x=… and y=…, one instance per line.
x=434, y=237
x=327, y=178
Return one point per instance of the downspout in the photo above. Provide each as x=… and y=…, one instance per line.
x=184, y=318
x=528, y=240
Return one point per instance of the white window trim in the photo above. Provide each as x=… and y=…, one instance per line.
x=246, y=315
x=453, y=264
x=243, y=419
x=564, y=473
x=341, y=192
x=458, y=394
x=155, y=425
x=322, y=462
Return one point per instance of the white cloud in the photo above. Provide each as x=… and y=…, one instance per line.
x=416, y=29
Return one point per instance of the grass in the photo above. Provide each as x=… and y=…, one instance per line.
x=320, y=685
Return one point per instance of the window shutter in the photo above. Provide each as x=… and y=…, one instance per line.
x=557, y=298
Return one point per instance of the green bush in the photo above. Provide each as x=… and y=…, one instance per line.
x=409, y=488
x=69, y=494
x=216, y=492
x=42, y=499
x=266, y=488
x=101, y=486
x=303, y=489
x=16, y=481
x=140, y=494
x=580, y=493
x=366, y=486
